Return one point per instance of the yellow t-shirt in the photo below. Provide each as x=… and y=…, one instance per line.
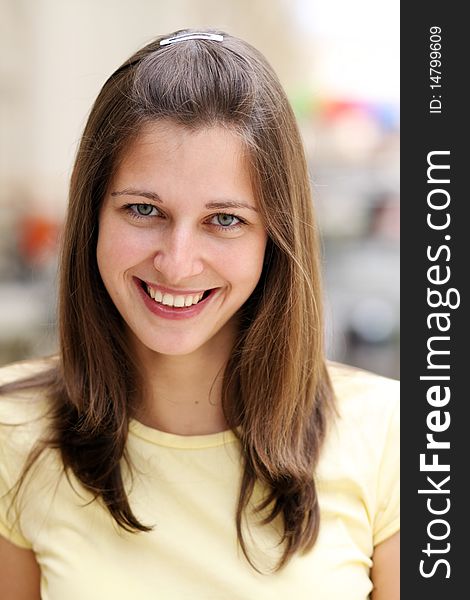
x=187, y=487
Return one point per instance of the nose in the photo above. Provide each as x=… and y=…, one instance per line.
x=179, y=255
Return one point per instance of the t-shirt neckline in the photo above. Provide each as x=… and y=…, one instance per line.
x=173, y=440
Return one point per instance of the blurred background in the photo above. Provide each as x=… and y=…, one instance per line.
x=339, y=63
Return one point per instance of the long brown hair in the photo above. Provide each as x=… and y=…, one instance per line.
x=277, y=394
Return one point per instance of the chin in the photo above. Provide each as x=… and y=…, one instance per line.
x=169, y=346
x=174, y=350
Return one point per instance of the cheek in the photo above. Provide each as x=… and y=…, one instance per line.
x=246, y=264
x=106, y=253
x=113, y=253
x=118, y=249
x=258, y=251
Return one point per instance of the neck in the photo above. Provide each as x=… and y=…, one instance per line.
x=183, y=394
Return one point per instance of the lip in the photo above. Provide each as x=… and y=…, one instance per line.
x=170, y=312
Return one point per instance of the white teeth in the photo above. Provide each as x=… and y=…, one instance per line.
x=167, y=299
x=171, y=300
x=179, y=301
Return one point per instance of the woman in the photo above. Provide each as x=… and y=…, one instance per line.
x=190, y=441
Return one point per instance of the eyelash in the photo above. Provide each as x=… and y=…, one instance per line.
x=132, y=211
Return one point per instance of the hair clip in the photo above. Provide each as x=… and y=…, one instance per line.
x=192, y=36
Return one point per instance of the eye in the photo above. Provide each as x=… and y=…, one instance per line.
x=141, y=210
x=144, y=210
x=225, y=220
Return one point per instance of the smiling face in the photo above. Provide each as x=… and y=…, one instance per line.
x=181, y=243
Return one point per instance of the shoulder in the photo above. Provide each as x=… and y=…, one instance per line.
x=25, y=369
x=24, y=410
x=368, y=419
x=366, y=429
x=349, y=382
x=23, y=406
x=362, y=451
x=364, y=397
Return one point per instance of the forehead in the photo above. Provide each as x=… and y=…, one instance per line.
x=176, y=162
x=165, y=142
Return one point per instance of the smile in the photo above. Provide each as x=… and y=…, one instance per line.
x=167, y=304
x=176, y=301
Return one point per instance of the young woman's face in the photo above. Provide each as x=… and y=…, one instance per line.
x=181, y=243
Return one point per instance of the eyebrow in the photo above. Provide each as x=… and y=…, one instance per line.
x=132, y=192
x=156, y=198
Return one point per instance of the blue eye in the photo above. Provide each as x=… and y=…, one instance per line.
x=225, y=220
x=144, y=210
x=141, y=210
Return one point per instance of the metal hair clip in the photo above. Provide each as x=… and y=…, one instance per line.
x=192, y=36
